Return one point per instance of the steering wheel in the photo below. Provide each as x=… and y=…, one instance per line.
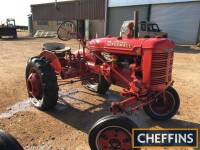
x=66, y=31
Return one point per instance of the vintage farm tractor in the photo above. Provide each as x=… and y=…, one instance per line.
x=8, y=30
x=142, y=66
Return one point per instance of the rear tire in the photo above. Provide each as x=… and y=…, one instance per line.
x=110, y=130
x=160, y=111
x=47, y=95
x=97, y=84
x=8, y=142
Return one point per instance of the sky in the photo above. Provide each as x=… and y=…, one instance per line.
x=18, y=9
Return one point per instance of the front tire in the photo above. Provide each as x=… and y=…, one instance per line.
x=111, y=132
x=163, y=109
x=41, y=83
x=8, y=142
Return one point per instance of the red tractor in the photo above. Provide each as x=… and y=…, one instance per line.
x=142, y=66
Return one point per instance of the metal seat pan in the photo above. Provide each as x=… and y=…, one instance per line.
x=56, y=47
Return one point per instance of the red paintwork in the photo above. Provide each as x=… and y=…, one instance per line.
x=156, y=66
x=102, y=44
x=53, y=60
x=34, y=85
x=147, y=46
x=114, y=138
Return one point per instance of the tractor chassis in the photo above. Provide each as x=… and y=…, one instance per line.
x=133, y=102
x=146, y=81
x=128, y=105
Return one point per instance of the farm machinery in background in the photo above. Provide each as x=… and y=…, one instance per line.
x=9, y=29
x=142, y=66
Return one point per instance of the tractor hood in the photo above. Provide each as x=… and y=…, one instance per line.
x=128, y=45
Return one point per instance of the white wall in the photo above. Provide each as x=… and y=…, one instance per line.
x=179, y=20
x=117, y=15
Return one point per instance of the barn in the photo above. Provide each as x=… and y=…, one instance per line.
x=86, y=14
x=179, y=18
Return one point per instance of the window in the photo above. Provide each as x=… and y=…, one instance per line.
x=42, y=22
x=153, y=28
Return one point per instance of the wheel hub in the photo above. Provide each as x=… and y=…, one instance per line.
x=163, y=104
x=114, y=139
x=115, y=144
x=34, y=85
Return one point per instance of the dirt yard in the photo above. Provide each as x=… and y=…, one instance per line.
x=67, y=126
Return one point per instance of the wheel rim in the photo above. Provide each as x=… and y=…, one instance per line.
x=113, y=138
x=163, y=106
x=34, y=85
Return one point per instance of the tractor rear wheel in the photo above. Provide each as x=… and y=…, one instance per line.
x=41, y=84
x=8, y=142
x=97, y=84
x=164, y=108
x=111, y=132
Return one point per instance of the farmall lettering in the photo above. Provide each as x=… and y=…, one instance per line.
x=119, y=44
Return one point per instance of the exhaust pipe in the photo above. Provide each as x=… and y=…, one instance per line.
x=136, y=22
x=56, y=4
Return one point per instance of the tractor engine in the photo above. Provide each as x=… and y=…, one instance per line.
x=122, y=63
x=143, y=64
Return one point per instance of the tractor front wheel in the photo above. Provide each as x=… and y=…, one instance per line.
x=112, y=132
x=165, y=105
x=8, y=142
x=41, y=84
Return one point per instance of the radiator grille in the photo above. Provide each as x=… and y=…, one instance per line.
x=161, y=72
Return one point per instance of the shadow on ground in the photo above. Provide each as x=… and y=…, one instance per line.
x=25, y=38
x=84, y=119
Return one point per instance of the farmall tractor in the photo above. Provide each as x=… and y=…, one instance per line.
x=142, y=66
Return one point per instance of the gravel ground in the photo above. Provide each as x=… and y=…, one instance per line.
x=67, y=126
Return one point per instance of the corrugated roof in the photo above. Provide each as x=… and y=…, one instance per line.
x=118, y=3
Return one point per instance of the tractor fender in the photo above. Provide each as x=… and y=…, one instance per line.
x=53, y=60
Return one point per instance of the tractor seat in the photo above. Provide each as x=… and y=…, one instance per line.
x=56, y=47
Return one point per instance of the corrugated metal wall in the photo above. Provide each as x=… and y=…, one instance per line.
x=119, y=3
x=96, y=27
x=78, y=10
x=116, y=16
x=179, y=20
